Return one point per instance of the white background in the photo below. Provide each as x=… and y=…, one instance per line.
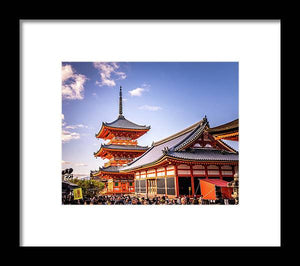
x=254, y=222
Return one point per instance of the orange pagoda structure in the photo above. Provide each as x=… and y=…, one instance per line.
x=121, y=148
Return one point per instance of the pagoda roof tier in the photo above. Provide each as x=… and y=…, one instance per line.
x=124, y=147
x=180, y=146
x=121, y=148
x=111, y=172
x=121, y=124
x=110, y=169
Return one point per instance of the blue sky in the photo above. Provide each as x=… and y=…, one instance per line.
x=168, y=96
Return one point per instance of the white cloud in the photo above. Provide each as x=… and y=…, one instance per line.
x=82, y=126
x=62, y=120
x=67, y=72
x=67, y=136
x=140, y=90
x=73, y=164
x=72, y=84
x=108, y=73
x=150, y=108
x=137, y=92
x=76, y=126
x=65, y=162
x=70, y=127
x=80, y=164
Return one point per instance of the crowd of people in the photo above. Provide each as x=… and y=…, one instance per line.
x=135, y=200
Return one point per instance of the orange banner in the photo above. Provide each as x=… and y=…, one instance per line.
x=208, y=190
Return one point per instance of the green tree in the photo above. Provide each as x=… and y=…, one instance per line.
x=90, y=188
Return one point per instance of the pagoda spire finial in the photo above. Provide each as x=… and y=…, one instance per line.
x=120, y=103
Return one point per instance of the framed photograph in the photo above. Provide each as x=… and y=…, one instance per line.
x=196, y=165
x=117, y=115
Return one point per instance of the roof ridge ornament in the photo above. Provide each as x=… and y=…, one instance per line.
x=205, y=120
x=165, y=150
x=120, y=104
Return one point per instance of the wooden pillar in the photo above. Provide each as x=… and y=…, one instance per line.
x=164, y=176
x=192, y=181
x=220, y=172
x=155, y=181
x=146, y=181
x=206, y=174
x=166, y=186
x=176, y=181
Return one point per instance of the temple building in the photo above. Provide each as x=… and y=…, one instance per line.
x=194, y=161
x=121, y=148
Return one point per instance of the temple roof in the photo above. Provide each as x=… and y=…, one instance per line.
x=110, y=170
x=113, y=169
x=195, y=134
x=228, y=127
x=205, y=154
x=122, y=122
x=175, y=145
x=123, y=147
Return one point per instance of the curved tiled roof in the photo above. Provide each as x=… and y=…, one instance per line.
x=122, y=122
x=230, y=126
x=114, y=169
x=205, y=154
x=110, y=169
x=123, y=147
x=191, y=137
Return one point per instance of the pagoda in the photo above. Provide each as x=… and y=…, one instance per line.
x=121, y=148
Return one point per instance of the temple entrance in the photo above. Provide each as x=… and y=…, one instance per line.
x=151, y=184
x=184, y=183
